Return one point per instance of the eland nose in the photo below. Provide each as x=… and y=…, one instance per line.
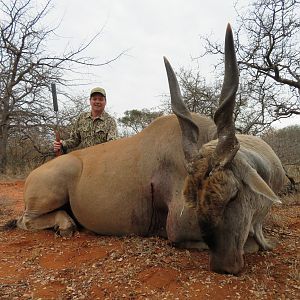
x=222, y=265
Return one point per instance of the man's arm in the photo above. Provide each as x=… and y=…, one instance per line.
x=74, y=140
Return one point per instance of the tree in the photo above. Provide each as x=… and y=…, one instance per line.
x=29, y=147
x=202, y=97
x=197, y=94
x=267, y=45
x=285, y=142
x=135, y=120
x=27, y=67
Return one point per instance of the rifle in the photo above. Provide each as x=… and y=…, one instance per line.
x=55, y=107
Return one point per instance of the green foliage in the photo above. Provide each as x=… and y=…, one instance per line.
x=135, y=120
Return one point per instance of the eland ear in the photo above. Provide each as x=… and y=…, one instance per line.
x=258, y=185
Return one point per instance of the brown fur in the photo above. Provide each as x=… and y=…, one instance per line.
x=128, y=186
x=208, y=191
x=214, y=196
x=194, y=181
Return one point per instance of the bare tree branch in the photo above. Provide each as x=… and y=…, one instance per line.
x=267, y=38
x=27, y=67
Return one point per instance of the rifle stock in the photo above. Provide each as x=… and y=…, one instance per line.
x=57, y=139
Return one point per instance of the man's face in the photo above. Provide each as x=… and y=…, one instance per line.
x=98, y=103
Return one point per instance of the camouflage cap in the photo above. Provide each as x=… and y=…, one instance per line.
x=98, y=90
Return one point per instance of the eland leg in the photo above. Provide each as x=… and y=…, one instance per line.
x=251, y=245
x=44, y=209
x=197, y=245
x=59, y=220
x=260, y=239
x=47, y=192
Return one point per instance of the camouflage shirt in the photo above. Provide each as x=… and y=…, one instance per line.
x=88, y=132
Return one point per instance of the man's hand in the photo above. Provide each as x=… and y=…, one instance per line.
x=57, y=145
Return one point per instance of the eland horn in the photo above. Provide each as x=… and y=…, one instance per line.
x=228, y=144
x=190, y=131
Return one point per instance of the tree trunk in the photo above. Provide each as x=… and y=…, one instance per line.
x=3, y=148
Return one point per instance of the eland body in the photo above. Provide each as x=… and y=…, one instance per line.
x=174, y=179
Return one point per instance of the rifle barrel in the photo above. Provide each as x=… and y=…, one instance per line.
x=55, y=107
x=54, y=97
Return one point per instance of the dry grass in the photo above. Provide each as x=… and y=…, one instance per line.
x=291, y=199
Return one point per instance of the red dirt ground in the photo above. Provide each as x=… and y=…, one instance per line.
x=41, y=265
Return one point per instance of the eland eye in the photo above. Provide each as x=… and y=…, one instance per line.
x=209, y=172
x=233, y=198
